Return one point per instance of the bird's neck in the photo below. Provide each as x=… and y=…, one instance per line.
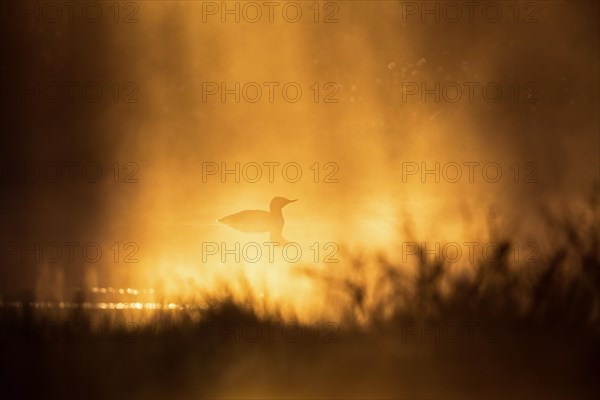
x=276, y=212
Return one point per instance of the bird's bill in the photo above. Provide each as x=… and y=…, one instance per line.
x=291, y=201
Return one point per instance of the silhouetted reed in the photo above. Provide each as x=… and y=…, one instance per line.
x=397, y=336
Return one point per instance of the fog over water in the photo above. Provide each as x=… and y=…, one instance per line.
x=370, y=145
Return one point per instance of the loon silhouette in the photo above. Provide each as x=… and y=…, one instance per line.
x=260, y=220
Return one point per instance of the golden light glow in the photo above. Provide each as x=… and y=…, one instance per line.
x=369, y=135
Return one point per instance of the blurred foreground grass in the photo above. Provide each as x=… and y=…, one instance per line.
x=496, y=332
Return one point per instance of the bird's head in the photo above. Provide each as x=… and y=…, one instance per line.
x=279, y=202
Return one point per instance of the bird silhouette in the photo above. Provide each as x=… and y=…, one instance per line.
x=260, y=220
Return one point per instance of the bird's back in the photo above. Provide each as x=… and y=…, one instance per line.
x=251, y=221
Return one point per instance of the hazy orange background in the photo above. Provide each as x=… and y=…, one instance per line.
x=368, y=134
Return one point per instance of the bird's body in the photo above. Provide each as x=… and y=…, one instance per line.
x=260, y=220
x=252, y=221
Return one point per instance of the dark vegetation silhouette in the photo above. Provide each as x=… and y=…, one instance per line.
x=532, y=333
